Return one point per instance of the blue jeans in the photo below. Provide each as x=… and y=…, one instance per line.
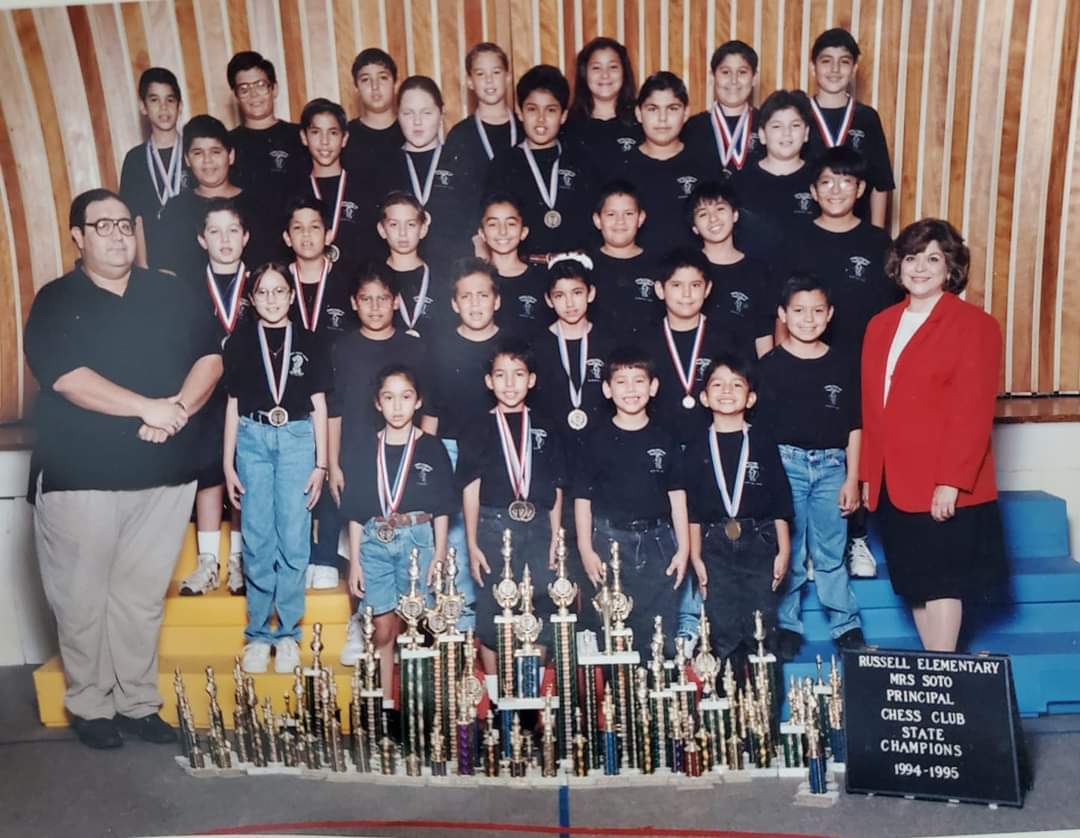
x=386, y=566
x=456, y=539
x=816, y=477
x=273, y=465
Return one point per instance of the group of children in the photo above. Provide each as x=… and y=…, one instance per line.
x=598, y=315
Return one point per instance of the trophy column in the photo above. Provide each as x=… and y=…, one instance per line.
x=563, y=593
x=416, y=674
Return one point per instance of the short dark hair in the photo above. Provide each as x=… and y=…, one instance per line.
x=404, y=370
x=835, y=37
x=375, y=272
x=423, y=83
x=482, y=47
x=782, y=100
x=628, y=357
x=582, y=106
x=546, y=78
x=158, y=75
x=681, y=257
x=516, y=349
x=569, y=269
x=469, y=265
x=373, y=55
x=712, y=192
x=501, y=198
x=802, y=281
x=740, y=48
x=249, y=60
x=840, y=160
x=616, y=187
x=322, y=105
x=77, y=213
x=663, y=80
x=303, y=201
x=915, y=238
x=255, y=278
x=205, y=126
x=220, y=204
x=399, y=198
x=742, y=365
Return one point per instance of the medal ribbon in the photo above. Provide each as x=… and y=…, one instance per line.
x=518, y=463
x=277, y=389
x=732, y=146
x=422, y=195
x=171, y=177
x=486, y=143
x=390, y=496
x=418, y=310
x=564, y=356
x=731, y=505
x=551, y=193
x=823, y=126
x=227, y=315
x=687, y=378
x=332, y=233
x=311, y=320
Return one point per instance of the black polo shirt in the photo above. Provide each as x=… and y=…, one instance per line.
x=137, y=190
x=269, y=161
x=130, y=341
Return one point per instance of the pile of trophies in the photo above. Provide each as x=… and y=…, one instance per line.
x=602, y=714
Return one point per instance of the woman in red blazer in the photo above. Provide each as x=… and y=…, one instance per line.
x=929, y=379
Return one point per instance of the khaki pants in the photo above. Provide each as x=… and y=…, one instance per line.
x=106, y=560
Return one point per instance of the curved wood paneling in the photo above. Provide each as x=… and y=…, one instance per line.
x=978, y=98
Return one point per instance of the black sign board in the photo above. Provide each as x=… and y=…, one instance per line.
x=933, y=725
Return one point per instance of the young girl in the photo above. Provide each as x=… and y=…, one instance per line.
x=398, y=495
x=276, y=378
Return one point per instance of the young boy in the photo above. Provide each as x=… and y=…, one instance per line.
x=521, y=285
x=269, y=155
x=154, y=172
x=727, y=133
x=624, y=273
x=223, y=237
x=552, y=185
x=683, y=343
x=375, y=132
x=740, y=505
x=741, y=302
x=839, y=120
x=663, y=167
x=356, y=358
x=516, y=485
x=423, y=308
x=347, y=195
x=629, y=489
x=809, y=401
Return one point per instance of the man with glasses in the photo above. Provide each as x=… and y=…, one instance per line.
x=125, y=359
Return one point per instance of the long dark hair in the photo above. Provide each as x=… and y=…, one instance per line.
x=582, y=106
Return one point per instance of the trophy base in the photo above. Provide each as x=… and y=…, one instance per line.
x=511, y=704
x=794, y=771
x=740, y=776
x=210, y=772
x=764, y=772
x=804, y=797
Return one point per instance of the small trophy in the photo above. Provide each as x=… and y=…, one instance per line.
x=610, y=735
x=527, y=629
x=220, y=753
x=548, y=759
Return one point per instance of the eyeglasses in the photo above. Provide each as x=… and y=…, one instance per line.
x=104, y=226
x=247, y=88
x=267, y=293
x=844, y=184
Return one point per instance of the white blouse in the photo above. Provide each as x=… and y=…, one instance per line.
x=910, y=321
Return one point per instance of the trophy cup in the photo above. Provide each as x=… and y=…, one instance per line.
x=563, y=593
x=416, y=672
x=527, y=656
x=507, y=596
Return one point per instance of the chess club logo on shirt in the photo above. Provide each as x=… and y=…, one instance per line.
x=804, y=200
x=657, y=455
x=280, y=158
x=753, y=473
x=539, y=437
x=702, y=364
x=348, y=209
x=855, y=138
x=567, y=176
x=527, y=303
x=443, y=177
x=687, y=183
x=645, y=286
x=185, y=181
x=627, y=143
x=740, y=302
x=595, y=369
x=335, y=315
x=296, y=364
x=423, y=469
x=421, y=304
x=857, y=271
x=832, y=393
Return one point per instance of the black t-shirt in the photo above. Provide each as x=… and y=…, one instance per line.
x=626, y=303
x=357, y=361
x=270, y=161
x=464, y=146
x=852, y=266
x=522, y=309
x=437, y=317
x=245, y=378
x=574, y=198
x=772, y=209
x=627, y=474
x=137, y=190
x=808, y=402
x=700, y=132
x=357, y=239
x=666, y=408
x=664, y=188
x=460, y=397
x=429, y=483
x=766, y=493
x=742, y=303
x=552, y=393
x=606, y=143
x=334, y=316
x=369, y=148
x=146, y=340
x=481, y=456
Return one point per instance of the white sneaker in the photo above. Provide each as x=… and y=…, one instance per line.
x=236, y=574
x=323, y=577
x=860, y=560
x=203, y=578
x=256, y=657
x=354, y=641
x=308, y=573
x=286, y=655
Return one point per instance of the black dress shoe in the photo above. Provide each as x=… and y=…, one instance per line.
x=150, y=728
x=788, y=644
x=851, y=639
x=100, y=734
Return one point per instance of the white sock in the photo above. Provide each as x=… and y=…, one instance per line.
x=236, y=542
x=209, y=542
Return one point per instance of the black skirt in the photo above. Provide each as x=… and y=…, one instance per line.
x=962, y=558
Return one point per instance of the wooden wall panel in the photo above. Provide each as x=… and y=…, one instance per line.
x=980, y=101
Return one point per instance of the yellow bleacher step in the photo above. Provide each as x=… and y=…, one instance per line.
x=194, y=640
x=220, y=608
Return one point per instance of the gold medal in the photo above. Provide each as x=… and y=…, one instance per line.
x=733, y=529
x=333, y=253
x=552, y=219
x=278, y=416
x=577, y=419
x=385, y=533
x=522, y=511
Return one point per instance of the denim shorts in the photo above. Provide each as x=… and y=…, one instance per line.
x=386, y=566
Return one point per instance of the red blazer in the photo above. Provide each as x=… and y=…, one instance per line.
x=935, y=429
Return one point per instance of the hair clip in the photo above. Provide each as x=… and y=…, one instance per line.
x=573, y=256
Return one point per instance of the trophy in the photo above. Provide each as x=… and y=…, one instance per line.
x=793, y=733
x=220, y=753
x=549, y=761
x=563, y=593
x=764, y=668
x=416, y=673
x=241, y=734
x=815, y=757
x=685, y=691
x=257, y=745
x=707, y=669
x=662, y=701
x=359, y=748
x=507, y=596
x=580, y=749
x=517, y=748
x=837, y=734
x=189, y=740
x=371, y=692
x=270, y=724
x=438, y=749
x=527, y=628
x=466, y=737
x=610, y=735
x=492, y=757
x=644, y=723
